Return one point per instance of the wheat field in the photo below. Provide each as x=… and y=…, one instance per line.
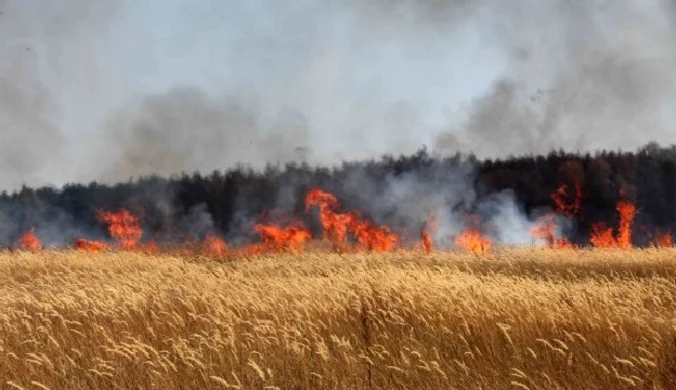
x=520, y=319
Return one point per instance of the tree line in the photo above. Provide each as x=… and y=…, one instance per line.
x=191, y=205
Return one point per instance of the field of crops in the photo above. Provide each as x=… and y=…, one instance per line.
x=519, y=319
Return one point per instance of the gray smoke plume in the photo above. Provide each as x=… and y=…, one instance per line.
x=187, y=130
x=111, y=89
x=582, y=76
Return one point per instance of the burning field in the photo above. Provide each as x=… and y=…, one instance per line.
x=228, y=195
x=421, y=286
x=349, y=232
x=354, y=305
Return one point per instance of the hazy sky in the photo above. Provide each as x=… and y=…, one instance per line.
x=319, y=59
x=107, y=89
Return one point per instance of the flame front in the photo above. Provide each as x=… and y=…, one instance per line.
x=473, y=240
x=123, y=226
x=151, y=247
x=336, y=225
x=545, y=228
x=215, y=245
x=90, y=246
x=278, y=239
x=564, y=205
x=30, y=242
x=430, y=225
x=627, y=213
x=663, y=240
x=348, y=231
x=602, y=235
x=374, y=238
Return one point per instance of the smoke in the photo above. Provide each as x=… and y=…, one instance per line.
x=110, y=90
x=582, y=76
x=359, y=79
x=29, y=137
x=47, y=50
x=197, y=223
x=426, y=186
x=506, y=222
x=187, y=130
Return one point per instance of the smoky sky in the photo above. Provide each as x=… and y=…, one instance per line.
x=107, y=90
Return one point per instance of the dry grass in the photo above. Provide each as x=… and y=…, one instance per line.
x=525, y=319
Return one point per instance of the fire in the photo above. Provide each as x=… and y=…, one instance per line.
x=215, y=245
x=347, y=230
x=429, y=226
x=336, y=225
x=123, y=226
x=561, y=198
x=151, y=247
x=627, y=213
x=277, y=239
x=663, y=240
x=373, y=238
x=545, y=229
x=602, y=236
x=91, y=246
x=30, y=242
x=472, y=240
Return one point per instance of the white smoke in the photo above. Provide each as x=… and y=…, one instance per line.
x=111, y=89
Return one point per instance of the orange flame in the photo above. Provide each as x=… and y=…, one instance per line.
x=602, y=236
x=30, y=242
x=561, y=196
x=277, y=239
x=663, y=240
x=545, y=229
x=627, y=213
x=373, y=238
x=151, y=247
x=122, y=226
x=472, y=240
x=90, y=246
x=337, y=225
x=428, y=227
x=215, y=245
